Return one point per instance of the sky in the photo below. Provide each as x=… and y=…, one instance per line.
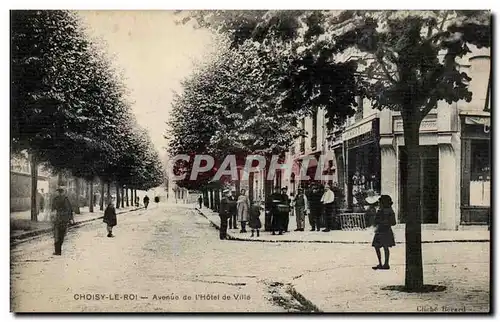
x=154, y=54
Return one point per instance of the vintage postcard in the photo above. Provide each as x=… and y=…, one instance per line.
x=271, y=161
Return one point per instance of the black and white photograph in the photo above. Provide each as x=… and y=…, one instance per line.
x=251, y=161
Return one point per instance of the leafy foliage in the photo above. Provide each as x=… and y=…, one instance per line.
x=69, y=107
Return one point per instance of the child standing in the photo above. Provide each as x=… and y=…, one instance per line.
x=384, y=237
x=110, y=218
x=254, y=222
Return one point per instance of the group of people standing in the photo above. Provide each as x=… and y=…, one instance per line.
x=320, y=206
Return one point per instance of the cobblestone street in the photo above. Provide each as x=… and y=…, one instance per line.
x=162, y=256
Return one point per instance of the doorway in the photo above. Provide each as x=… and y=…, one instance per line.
x=429, y=184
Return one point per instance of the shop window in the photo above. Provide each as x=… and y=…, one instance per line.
x=480, y=162
x=480, y=173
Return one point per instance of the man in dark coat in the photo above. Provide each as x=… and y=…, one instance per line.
x=272, y=206
x=146, y=201
x=315, y=209
x=63, y=217
x=224, y=214
x=233, y=209
x=285, y=215
x=200, y=200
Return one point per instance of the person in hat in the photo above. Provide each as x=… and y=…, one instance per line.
x=272, y=207
x=301, y=209
x=384, y=237
x=372, y=201
x=285, y=209
x=233, y=210
x=315, y=208
x=63, y=217
x=109, y=218
x=328, y=201
x=224, y=213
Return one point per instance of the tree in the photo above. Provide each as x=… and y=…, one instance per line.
x=264, y=79
x=413, y=65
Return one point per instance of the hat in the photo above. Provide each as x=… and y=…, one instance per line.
x=385, y=200
x=225, y=191
x=60, y=188
x=300, y=189
x=284, y=188
x=372, y=197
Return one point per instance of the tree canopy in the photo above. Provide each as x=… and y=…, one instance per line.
x=69, y=106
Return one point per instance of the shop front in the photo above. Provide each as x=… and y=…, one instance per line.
x=362, y=156
x=476, y=170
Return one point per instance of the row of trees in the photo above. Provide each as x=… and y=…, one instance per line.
x=274, y=67
x=69, y=109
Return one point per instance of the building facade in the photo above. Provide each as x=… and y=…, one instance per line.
x=455, y=155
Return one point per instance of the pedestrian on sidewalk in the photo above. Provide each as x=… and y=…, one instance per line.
x=243, y=207
x=272, y=208
x=285, y=209
x=233, y=210
x=255, y=223
x=328, y=201
x=110, y=218
x=200, y=201
x=224, y=213
x=146, y=201
x=384, y=237
x=61, y=219
x=315, y=208
x=301, y=209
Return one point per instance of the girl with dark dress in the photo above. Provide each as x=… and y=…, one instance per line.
x=254, y=222
x=110, y=218
x=384, y=237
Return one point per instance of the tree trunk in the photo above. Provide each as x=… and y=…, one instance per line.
x=101, y=202
x=91, y=196
x=76, y=206
x=211, y=196
x=250, y=187
x=126, y=196
x=414, y=279
x=108, y=195
x=122, y=194
x=217, y=200
x=205, y=198
x=34, y=188
x=118, y=199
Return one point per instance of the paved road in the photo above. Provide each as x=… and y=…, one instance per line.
x=162, y=256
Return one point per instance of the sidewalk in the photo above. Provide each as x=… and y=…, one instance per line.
x=346, y=237
x=22, y=227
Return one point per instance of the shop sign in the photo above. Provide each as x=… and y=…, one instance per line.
x=357, y=131
x=366, y=133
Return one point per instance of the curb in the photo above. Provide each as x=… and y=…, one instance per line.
x=25, y=236
x=232, y=237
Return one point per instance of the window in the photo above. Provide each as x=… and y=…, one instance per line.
x=359, y=108
x=480, y=160
x=314, y=137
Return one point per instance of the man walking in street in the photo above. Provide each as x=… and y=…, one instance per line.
x=63, y=217
x=328, y=201
x=224, y=214
x=146, y=202
x=233, y=210
x=301, y=209
x=315, y=209
x=200, y=201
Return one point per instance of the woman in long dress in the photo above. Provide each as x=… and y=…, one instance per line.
x=243, y=206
